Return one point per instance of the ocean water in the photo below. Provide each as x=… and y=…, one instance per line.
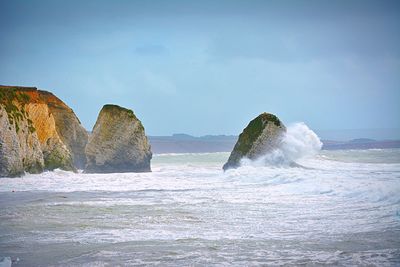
x=333, y=208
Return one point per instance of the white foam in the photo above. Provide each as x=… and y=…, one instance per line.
x=5, y=262
x=188, y=202
x=298, y=142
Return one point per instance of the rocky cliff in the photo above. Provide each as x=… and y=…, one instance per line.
x=263, y=134
x=38, y=132
x=68, y=127
x=118, y=143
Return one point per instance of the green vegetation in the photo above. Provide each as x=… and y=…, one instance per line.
x=55, y=159
x=253, y=131
x=271, y=118
x=116, y=108
x=13, y=102
x=14, y=172
x=131, y=114
x=35, y=167
x=249, y=136
x=31, y=129
x=23, y=98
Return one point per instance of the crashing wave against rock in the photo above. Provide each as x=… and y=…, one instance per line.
x=262, y=135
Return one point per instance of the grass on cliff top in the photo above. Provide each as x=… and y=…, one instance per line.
x=111, y=108
x=115, y=108
x=10, y=94
x=253, y=131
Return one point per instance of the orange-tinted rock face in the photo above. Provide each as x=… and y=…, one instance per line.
x=40, y=116
x=68, y=127
x=43, y=121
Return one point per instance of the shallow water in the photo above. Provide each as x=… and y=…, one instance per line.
x=341, y=208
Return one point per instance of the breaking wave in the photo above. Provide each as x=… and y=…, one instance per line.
x=298, y=142
x=341, y=209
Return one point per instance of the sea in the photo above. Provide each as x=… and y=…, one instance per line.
x=331, y=208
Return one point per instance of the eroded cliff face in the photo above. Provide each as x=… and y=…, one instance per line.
x=262, y=135
x=38, y=131
x=118, y=143
x=19, y=150
x=68, y=127
x=55, y=152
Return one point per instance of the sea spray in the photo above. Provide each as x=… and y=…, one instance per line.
x=298, y=142
x=189, y=212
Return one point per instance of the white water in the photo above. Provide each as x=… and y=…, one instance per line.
x=343, y=208
x=299, y=142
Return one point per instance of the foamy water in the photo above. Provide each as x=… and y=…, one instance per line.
x=340, y=208
x=299, y=142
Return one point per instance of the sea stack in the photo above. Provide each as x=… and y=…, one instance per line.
x=263, y=134
x=118, y=143
x=38, y=132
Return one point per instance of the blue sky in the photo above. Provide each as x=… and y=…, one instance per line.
x=208, y=67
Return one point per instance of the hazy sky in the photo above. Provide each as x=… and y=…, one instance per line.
x=208, y=67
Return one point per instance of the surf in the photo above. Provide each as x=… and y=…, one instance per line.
x=297, y=143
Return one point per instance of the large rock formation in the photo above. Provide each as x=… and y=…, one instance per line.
x=38, y=132
x=118, y=143
x=263, y=134
x=19, y=146
x=68, y=127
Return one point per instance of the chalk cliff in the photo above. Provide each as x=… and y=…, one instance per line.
x=118, y=143
x=38, y=132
